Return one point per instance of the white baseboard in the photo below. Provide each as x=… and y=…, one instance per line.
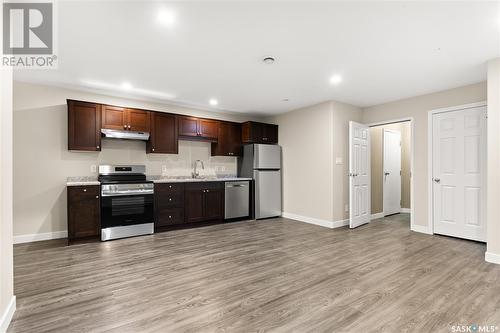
x=312, y=220
x=377, y=216
x=40, y=237
x=421, y=229
x=405, y=210
x=7, y=315
x=492, y=257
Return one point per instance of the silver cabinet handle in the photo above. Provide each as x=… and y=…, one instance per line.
x=84, y=190
x=98, y=147
x=207, y=191
x=169, y=199
x=170, y=216
x=97, y=197
x=128, y=126
x=437, y=180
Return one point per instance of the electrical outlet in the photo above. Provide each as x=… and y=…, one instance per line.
x=346, y=208
x=163, y=168
x=93, y=168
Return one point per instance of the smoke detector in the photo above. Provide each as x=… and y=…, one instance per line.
x=268, y=60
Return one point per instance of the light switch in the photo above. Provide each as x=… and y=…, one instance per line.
x=93, y=168
x=338, y=161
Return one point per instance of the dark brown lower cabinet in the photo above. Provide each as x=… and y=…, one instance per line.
x=204, y=201
x=83, y=212
x=169, y=204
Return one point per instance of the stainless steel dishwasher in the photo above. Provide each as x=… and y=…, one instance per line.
x=237, y=199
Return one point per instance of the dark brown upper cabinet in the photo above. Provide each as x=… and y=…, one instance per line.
x=114, y=117
x=83, y=211
x=163, y=136
x=139, y=120
x=197, y=128
x=119, y=118
x=229, y=140
x=84, y=126
x=254, y=132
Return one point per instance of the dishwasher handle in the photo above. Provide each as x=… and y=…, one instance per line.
x=236, y=185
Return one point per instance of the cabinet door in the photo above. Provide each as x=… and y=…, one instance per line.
x=114, y=117
x=229, y=140
x=193, y=203
x=213, y=204
x=83, y=211
x=138, y=120
x=188, y=126
x=251, y=132
x=234, y=141
x=208, y=128
x=163, y=136
x=270, y=134
x=84, y=126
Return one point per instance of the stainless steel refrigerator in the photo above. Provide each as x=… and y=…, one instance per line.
x=262, y=162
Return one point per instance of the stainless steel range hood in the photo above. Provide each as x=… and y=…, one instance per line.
x=128, y=135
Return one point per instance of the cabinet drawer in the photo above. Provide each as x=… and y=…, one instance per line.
x=76, y=192
x=169, y=216
x=170, y=199
x=205, y=185
x=169, y=188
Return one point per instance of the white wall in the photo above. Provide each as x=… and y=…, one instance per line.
x=306, y=138
x=418, y=107
x=42, y=161
x=342, y=114
x=7, y=299
x=314, y=187
x=493, y=166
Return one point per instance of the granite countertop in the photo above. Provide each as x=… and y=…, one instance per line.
x=89, y=180
x=159, y=179
x=81, y=181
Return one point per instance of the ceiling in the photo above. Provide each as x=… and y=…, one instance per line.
x=383, y=51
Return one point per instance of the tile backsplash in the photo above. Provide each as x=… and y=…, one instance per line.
x=181, y=164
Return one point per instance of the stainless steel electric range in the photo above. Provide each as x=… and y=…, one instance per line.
x=126, y=201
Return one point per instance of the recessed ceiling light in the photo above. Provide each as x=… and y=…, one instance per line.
x=127, y=85
x=269, y=60
x=213, y=102
x=166, y=17
x=335, y=79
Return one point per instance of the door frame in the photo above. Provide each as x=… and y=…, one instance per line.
x=383, y=167
x=412, y=160
x=430, y=161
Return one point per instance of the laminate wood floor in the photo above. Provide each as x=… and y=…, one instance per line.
x=273, y=275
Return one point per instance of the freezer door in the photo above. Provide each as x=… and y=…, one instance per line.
x=267, y=157
x=267, y=193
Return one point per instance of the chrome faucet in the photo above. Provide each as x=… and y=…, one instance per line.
x=195, y=173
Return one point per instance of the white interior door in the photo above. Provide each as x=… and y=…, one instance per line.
x=459, y=171
x=359, y=174
x=392, y=172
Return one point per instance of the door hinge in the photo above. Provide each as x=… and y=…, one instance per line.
x=400, y=173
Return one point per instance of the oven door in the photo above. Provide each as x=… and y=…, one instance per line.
x=123, y=209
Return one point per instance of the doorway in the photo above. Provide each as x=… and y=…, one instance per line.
x=391, y=165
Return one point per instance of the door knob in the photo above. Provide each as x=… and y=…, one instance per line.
x=437, y=180
x=387, y=173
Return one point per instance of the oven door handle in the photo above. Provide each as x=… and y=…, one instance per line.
x=125, y=193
